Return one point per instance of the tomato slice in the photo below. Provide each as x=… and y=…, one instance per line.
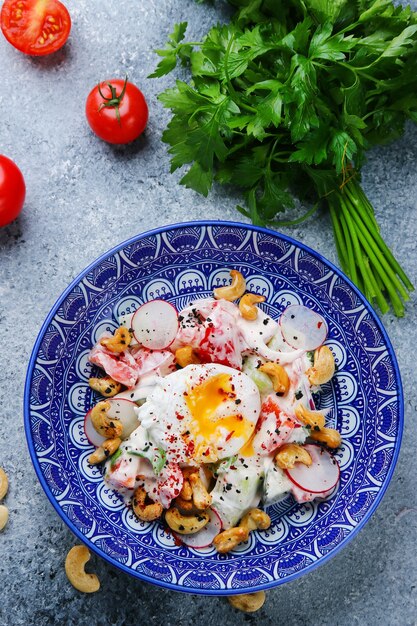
x=36, y=27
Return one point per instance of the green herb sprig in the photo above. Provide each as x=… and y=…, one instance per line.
x=286, y=99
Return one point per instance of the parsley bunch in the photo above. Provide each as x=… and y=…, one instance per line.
x=287, y=98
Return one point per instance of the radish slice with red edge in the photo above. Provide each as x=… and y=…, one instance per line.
x=155, y=324
x=125, y=411
x=303, y=328
x=92, y=435
x=205, y=536
x=322, y=475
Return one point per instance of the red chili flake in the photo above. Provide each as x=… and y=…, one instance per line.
x=179, y=416
x=207, y=452
x=319, y=324
x=230, y=435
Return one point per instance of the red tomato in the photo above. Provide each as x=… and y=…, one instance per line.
x=117, y=111
x=36, y=27
x=12, y=190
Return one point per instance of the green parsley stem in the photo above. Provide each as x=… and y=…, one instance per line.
x=380, y=262
x=385, y=252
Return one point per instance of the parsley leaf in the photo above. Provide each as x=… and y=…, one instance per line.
x=284, y=100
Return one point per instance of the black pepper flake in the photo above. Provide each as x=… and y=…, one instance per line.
x=181, y=527
x=316, y=428
x=238, y=401
x=266, y=321
x=298, y=394
x=228, y=486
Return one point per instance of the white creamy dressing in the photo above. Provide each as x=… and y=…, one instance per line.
x=165, y=417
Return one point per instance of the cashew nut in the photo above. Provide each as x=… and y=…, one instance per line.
x=329, y=436
x=106, y=449
x=248, y=602
x=247, y=307
x=202, y=499
x=291, y=453
x=235, y=290
x=184, y=524
x=186, y=356
x=186, y=507
x=106, y=386
x=255, y=519
x=142, y=510
x=119, y=342
x=323, y=367
x=314, y=419
x=278, y=375
x=75, y=562
x=4, y=483
x=186, y=492
x=4, y=516
x=229, y=539
x=106, y=426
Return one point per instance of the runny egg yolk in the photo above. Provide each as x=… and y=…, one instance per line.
x=203, y=400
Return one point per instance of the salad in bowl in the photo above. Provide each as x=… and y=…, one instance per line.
x=206, y=416
x=170, y=422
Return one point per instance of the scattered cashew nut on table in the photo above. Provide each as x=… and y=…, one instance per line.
x=248, y=602
x=75, y=562
x=247, y=305
x=4, y=486
x=235, y=290
x=4, y=483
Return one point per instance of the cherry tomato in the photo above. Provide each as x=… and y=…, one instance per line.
x=35, y=27
x=12, y=190
x=117, y=111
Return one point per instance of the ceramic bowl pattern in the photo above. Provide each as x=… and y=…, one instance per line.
x=180, y=263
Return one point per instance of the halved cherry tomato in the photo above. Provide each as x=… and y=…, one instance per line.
x=35, y=27
x=117, y=111
x=12, y=190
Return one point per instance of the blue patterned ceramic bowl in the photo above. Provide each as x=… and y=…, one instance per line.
x=178, y=263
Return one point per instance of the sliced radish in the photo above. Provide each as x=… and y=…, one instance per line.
x=303, y=328
x=205, y=536
x=92, y=435
x=142, y=390
x=155, y=324
x=322, y=475
x=125, y=411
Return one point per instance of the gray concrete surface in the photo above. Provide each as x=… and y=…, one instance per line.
x=83, y=197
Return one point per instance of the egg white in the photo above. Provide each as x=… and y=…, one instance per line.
x=170, y=423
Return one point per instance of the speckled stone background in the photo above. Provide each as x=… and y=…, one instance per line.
x=83, y=197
